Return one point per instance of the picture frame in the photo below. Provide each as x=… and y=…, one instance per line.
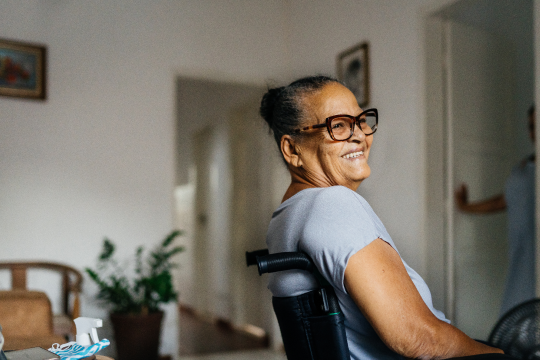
x=353, y=71
x=22, y=69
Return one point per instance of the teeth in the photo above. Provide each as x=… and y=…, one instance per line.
x=353, y=155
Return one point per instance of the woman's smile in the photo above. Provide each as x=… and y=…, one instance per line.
x=330, y=162
x=355, y=154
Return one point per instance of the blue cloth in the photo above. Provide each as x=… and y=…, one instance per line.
x=520, y=200
x=330, y=225
x=74, y=351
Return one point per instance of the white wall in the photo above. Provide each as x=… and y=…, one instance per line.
x=97, y=158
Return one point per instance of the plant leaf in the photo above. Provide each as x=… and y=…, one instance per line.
x=107, y=251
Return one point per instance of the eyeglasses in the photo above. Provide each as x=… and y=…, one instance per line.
x=341, y=127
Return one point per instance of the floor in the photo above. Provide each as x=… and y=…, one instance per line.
x=239, y=355
x=204, y=340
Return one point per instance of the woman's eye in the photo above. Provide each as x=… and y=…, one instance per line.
x=337, y=125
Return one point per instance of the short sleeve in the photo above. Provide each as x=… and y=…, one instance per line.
x=338, y=225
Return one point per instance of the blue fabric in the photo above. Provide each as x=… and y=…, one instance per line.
x=520, y=200
x=74, y=351
x=330, y=225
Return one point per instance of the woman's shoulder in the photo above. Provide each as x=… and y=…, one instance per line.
x=338, y=189
x=337, y=203
x=328, y=193
x=328, y=202
x=336, y=193
x=339, y=196
x=331, y=202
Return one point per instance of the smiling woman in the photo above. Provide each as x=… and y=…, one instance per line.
x=325, y=139
x=320, y=159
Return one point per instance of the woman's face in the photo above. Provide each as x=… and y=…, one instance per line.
x=326, y=162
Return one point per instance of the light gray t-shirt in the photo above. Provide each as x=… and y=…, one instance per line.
x=330, y=225
x=520, y=198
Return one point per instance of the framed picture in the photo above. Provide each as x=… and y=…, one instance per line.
x=22, y=69
x=353, y=70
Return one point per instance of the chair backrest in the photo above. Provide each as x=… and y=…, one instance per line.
x=312, y=324
x=25, y=314
x=71, y=281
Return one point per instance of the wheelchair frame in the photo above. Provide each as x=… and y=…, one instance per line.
x=312, y=324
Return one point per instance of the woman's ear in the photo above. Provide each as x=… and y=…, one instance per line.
x=289, y=149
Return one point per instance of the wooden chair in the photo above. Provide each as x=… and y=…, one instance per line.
x=71, y=287
x=26, y=318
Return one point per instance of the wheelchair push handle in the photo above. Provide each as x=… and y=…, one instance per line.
x=251, y=256
x=316, y=330
x=270, y=263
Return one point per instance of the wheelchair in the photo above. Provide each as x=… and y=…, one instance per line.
x=312, y=324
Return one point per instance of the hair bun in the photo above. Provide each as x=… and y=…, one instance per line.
x=268, y=103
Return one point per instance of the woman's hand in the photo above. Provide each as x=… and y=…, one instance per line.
x=379, y=284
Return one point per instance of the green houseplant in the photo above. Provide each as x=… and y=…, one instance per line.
x=134, y=302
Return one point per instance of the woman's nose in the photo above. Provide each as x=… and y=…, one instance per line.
x=358, y=134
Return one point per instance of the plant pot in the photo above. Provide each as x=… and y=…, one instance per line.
x=137, y=335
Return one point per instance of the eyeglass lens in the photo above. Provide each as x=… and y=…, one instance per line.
x=342, y=126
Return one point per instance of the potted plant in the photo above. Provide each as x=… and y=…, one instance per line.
x=135, y=313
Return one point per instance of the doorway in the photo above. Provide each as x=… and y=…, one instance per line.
x=227, y=183
x=480, y=85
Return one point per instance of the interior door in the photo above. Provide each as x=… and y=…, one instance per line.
x=479, y=153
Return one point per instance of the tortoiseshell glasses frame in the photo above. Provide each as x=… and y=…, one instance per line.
x=367, y=121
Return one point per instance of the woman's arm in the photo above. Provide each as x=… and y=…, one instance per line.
x=379, y=284
x=494, y=204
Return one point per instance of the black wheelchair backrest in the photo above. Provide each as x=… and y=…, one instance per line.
x=312, y=324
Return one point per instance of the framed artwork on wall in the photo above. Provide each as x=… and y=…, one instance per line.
x=22, y=69
x=353, y=71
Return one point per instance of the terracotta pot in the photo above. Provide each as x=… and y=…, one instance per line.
x=137, y=336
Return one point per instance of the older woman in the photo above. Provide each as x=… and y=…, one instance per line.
x=325, y=139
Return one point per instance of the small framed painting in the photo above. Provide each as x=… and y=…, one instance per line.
x=353, y=71
x=22, y=69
